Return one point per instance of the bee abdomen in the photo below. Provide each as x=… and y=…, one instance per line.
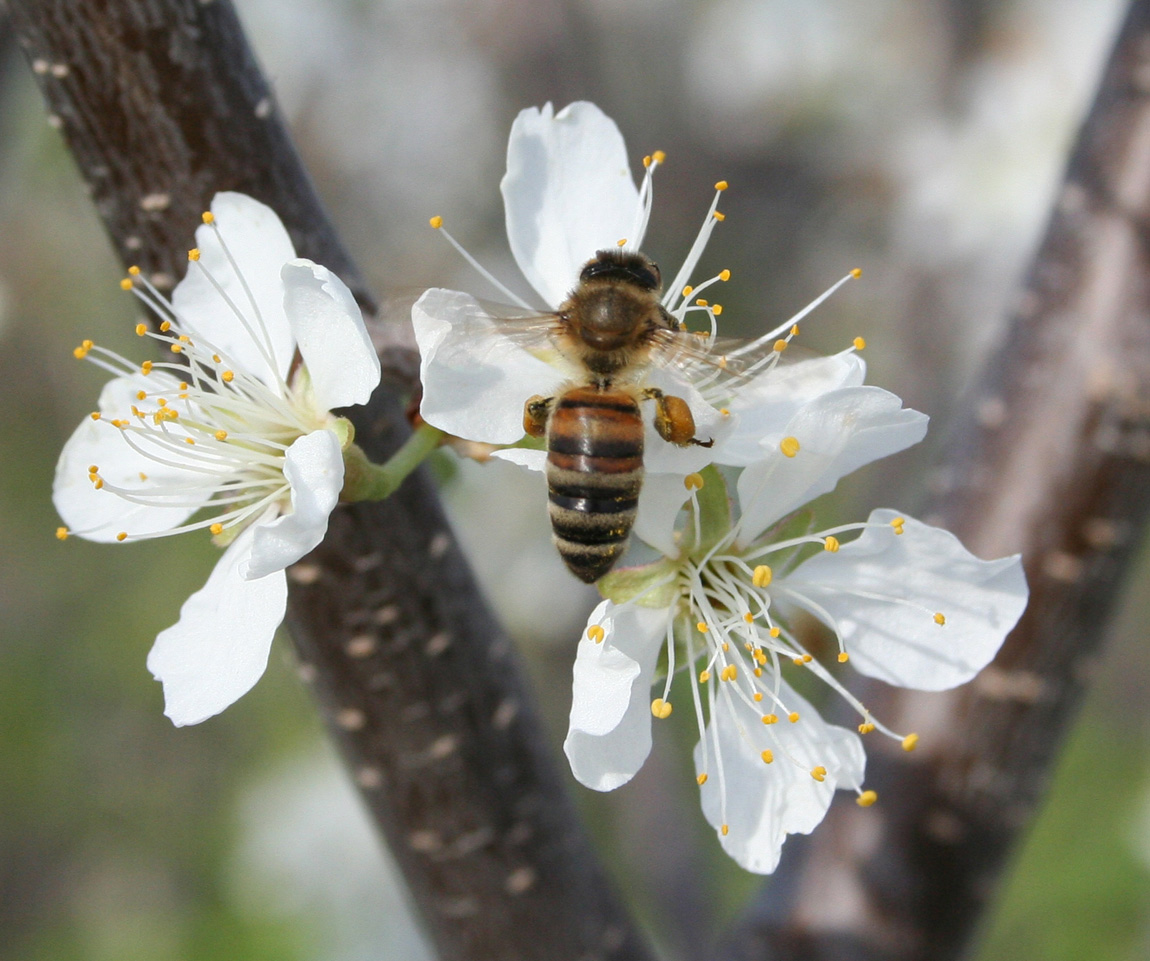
x=594, y=473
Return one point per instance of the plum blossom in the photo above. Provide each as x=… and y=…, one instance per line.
x=232, y=434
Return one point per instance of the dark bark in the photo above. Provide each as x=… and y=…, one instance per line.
x=162, y=104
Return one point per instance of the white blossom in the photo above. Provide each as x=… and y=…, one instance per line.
x=231, y=435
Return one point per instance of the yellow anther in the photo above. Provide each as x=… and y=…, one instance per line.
x=722, y=185
x=831, y=544
x=141, y=475
x=724, y=275
x=775, y=631
x=660, y=708
x=98, y=483
x=758, y=695
x=767, y=756
x=189, y=441
x=807, y=659
x=687, y=290
x=704, y=676
x=176, y=348
x=146, y=367
x=95, y=415
x=165, y=326
x=82, y=351
x=183, y=385
x=789, y=446
x=896, y=523
x=717, y=309
x=141, y=395
x=723, y=412
x=93, y=468
x=719, y=216
x=939, y=618
x=436, y=222
x=621, y=242
x=761, y=576
x=134, y=271
x=780, y=346
x=162, y=401
x=700, y=302
x=819, y=773
x=141, y=329
x=726, y=646
x=122, y=536
x=216, y=359
x=866, y=799
x=217, y=528
x=749, y=617
x=730, y=673
x=798, y=661
x=866, y=727
x=758, y=672
x=194, y=254
x=208, y=217
x=856, y=273
x=647, y=161
x=843, y=657
x=701, y=779
x=909, y=742
x=794, y=330
x=761, y=656
x=702, y=627
x=185, y=339
x=860, y=343
x=724, y=829
x=61, y=533
x=658, y=156
x=221, y=435
x=693, y=482
x=126, y=283
x=596, y=633
x=228, y=376
x=770, y=719
x=793, y=717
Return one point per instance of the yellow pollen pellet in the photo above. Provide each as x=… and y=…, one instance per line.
x=658, y=156
x=217, y=528
x=687, y=290
x=596, y=633
x=780, y=346
x=221, y=435
x=866, y=799
x=165, y=326
x=660, y=708
x=767, y=756
x=693, y=482
x=702, y=627
x=126, y=283
x=761, y=576
x=794, y=330
x=134, y=271
x=122, y=536
x=228, y=376
x=843, y=657
x=939, y=618
x=856, y=273
x=704, y=676
x=719, y=217
x=909, y=742
x=758, y=695
x=701, y=779
x=831, y=544
x=61, y=533
x=208, y=217
x=793, y=717
x=860, y=343
x=770, y=719
x=717, y=309
x=722, y=185
x=749, y=617
x=95, y=415
x=194, y=254
x=819, y=773
x=789, y=446
x=724, y=829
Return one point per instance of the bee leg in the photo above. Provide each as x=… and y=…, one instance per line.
x=673, y=419
x=536, y=412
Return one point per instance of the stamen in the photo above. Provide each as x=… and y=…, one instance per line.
x=660, y=708
x=437, y=224
x=866, y=799
x=910, y=742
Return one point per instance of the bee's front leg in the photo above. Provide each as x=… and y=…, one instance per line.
x=673, y=419
x=536, y=412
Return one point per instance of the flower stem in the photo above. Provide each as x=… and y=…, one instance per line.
x=366, y=481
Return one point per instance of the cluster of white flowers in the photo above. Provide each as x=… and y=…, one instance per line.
x=235, y=426
x=905, y=601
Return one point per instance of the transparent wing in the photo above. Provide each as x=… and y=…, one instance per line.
x=484, y=321
x=720, y=361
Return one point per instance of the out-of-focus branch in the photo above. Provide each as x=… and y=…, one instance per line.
x=1051, y=457
x=162, y=105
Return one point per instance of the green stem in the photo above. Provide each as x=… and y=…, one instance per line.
x=366, y=481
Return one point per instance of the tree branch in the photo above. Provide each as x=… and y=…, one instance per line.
x=163, y=105
x=1051, y=457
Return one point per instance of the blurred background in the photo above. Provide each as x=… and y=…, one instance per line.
x=919, y=139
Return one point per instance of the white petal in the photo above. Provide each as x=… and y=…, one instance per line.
x=99, y=515
x=333, y=341
x=523, y=457
x=610, y=733
x=219, y=647
x=475, y=381
x=660, y=500
x=766, y=802
x=837, y=433
x=567, y=193
x=762, y=408
x=259, y=246
x=313, y=466
x=926, y=567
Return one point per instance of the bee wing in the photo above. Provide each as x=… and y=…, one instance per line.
x=531, y=330
x=708, y=362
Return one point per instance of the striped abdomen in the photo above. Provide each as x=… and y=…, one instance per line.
x=594, y=472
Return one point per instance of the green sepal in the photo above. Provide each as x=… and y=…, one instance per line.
x=642, y=584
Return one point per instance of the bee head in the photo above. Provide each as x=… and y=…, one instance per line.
x=624, y=266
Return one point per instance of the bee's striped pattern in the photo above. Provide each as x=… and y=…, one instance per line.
x=594, y=472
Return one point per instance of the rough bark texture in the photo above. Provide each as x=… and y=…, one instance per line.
x=1051, y=458
x=162, y=104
